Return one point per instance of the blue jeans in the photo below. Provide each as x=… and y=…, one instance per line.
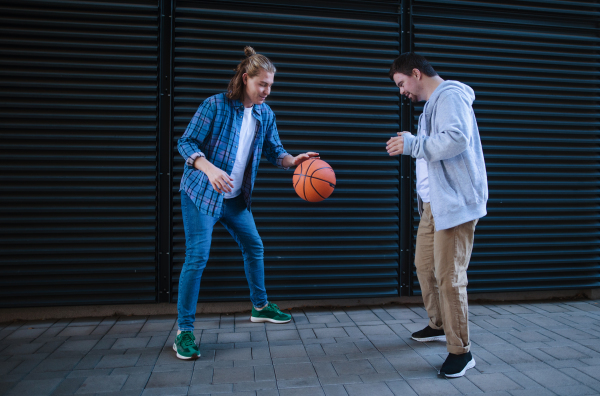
x=238, y=220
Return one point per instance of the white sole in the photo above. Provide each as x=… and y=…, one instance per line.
x=262, y=320
x=469, y=365
x=436, y=338
x=184, y=357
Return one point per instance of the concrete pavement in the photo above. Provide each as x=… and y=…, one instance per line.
x=545, y=348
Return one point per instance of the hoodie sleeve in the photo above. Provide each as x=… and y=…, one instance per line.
x=453, y=121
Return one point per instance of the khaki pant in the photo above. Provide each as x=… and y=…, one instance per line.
x=442, y=259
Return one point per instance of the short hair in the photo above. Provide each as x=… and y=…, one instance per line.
x=408, y=61
x=252, y=65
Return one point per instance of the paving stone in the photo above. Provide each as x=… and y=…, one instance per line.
x=334, y=390
x=131, y=343
x=250, y=386
x=380, y=377
x=287, y=351
x=591, y=371
x=368, y=389
x=340, y=348
x=292, y=360
x=234, y=354
x=335, y=332
x=322, y=319
x=494, y=382
x=102, y=384
x=173, y=391
x=252, y=362
x=233, y=337
x=112, y=361
x=515, y=356
x=105, y=343
x=264, y=373
x=316, y=391
x=381, y=365
x=68, y=386
x=171, y=379
x=229, y=375
x=532, y=392
x=7, y=366
x=324, y=369
x=356, y=367
x=340, y=380
x=465, y=386
x=34, y=387
x=521, y=379
x=89, y=373
x=59, y=364
x=428, y=387
x=283, y=335
x=26, y=333
x=298, y=383
x=294, y=371
x=574, y=390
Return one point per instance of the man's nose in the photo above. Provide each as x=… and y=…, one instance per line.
x=268, y=91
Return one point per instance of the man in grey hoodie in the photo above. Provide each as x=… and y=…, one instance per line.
x=452, y=195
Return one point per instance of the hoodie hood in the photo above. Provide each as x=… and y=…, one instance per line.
x=463, y=89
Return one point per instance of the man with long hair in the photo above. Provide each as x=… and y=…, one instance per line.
x=222, y=146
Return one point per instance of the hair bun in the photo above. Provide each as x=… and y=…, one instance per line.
x=249, y=51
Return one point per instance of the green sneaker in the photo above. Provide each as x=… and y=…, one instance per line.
x=270, y=313
x=185, y=346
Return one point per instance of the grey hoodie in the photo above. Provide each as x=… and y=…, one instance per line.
x=448, y=139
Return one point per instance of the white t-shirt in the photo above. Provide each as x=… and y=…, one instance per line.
x=243, y=152
x=422, y=180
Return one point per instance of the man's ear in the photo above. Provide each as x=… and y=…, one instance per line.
x=417, y=74
x=245, y=78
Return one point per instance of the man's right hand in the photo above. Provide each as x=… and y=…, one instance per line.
x=219, y=179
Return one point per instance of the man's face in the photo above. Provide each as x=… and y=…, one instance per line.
x=410, y=86
x=258, y=87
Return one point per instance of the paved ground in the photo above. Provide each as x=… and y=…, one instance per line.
x=520, y=349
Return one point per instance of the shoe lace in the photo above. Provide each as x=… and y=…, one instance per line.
x=187, y=340
x=274, y=307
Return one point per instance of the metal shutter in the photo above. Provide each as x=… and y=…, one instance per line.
x=534, y=68
x=78, y=130
x=331, y=95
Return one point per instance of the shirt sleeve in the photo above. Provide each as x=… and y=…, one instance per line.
x=273, y=149
x=189, y=144
x=454, y=123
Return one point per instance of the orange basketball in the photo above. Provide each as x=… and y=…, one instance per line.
x=314, y=180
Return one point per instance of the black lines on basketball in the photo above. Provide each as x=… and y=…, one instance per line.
x=316, y=180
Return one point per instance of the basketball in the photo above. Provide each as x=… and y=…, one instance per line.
x=314, y=180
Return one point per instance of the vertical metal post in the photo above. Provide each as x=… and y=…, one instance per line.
x=405, y=166
x=165, y=149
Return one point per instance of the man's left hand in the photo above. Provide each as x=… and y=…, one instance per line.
x=395, y=146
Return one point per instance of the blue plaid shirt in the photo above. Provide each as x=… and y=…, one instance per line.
x=214, y=133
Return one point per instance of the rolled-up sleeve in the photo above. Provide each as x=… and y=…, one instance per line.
x=273, y=149
x=190, y=143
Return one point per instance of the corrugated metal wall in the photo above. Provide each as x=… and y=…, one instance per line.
x=331, y=95
x=80, y=111
x=78, y=125
x=534, y=67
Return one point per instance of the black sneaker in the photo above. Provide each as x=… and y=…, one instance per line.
x=456, y=365
x=429, y=334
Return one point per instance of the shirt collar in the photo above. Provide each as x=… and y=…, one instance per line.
x=256, y=109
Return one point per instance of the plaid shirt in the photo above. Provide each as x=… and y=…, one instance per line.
x=214, y=133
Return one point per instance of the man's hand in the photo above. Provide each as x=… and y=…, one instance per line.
x=290, y=161
x=395, y=146
x=219, y=179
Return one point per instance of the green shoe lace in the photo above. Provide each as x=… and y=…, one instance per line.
x=187, y=339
